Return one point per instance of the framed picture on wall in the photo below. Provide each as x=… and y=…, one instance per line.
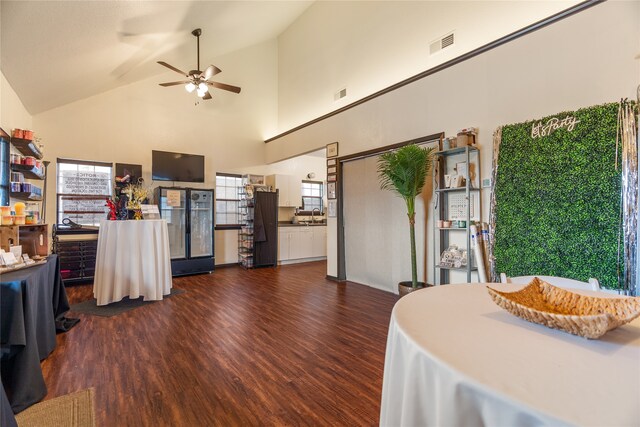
x=332, y=170
x=332, y=208
x=331, y=190
x=332, y=162
x=332, y=149
x=332, y=178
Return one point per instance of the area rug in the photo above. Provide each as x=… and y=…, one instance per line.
x=71, y=410
x=115, y=308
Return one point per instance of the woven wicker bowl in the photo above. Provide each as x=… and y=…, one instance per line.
x=557, y=308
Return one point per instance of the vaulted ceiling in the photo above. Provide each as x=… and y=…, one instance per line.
x=56, y=52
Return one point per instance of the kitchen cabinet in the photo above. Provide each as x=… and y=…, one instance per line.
x=319, y=246
x=300, y=242
x=284, y=237
x=290, y=189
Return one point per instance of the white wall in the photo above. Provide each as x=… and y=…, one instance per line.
x=583, y=60
x=125, y=124
x=226, y=246
x=12, y=112
x=298, y=166
x=366, y=46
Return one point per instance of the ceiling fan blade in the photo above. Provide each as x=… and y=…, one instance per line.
x=207, y=95
x=234, y=89
x=174, y=83
x=171, y=67
x=211, y=71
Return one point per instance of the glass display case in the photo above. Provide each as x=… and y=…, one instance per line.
x=189, y=213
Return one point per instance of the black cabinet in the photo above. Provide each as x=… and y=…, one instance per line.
x=258, y=238
x=76, y=250
x=266, y=229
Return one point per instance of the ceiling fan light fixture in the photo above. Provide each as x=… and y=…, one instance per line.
x=198, y=80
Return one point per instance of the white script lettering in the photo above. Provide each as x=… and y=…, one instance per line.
x=538, y=130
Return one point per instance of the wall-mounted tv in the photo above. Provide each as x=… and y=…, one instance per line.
x=167, y=166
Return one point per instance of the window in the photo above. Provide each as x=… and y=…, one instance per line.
x=312, y=195
x=82, y=190
x=227, y=199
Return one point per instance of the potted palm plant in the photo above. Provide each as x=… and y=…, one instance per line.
x=405, y=171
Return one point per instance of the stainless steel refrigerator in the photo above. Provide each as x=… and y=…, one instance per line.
x=190, y=218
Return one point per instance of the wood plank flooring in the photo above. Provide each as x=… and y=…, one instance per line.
x=273, y=346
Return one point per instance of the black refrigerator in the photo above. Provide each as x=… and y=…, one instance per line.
x=190, y=219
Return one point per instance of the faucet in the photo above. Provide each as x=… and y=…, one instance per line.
x=313, y=218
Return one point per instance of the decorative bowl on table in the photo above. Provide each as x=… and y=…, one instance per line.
x=557, y=308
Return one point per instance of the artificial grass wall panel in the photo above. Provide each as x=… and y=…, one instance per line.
x=557, y=197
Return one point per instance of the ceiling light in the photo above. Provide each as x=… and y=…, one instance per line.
x=198, y=79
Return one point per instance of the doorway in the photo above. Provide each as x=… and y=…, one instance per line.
x=373, y=229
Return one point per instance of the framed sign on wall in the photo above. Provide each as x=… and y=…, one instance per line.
x=331, y=190
x=332, y=208
x=332, y=149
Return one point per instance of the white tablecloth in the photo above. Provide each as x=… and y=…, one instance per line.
x=454, y=358
x=132, y=260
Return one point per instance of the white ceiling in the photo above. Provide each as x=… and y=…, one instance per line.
x=56, y=52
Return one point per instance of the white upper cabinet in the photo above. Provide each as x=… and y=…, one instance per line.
x=289, y=187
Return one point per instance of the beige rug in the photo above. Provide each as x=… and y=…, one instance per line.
x=71, y=410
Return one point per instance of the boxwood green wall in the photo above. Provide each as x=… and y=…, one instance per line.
x=558, y=199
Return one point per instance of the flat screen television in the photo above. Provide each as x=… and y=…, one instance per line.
x=167, y=166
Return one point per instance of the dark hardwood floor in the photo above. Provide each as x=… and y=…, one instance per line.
x=271, y=346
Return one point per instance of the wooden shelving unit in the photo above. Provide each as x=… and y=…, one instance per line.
x=28, y=171
x=26, y=147
x=30, y=197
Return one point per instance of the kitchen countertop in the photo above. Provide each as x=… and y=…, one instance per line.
x=301, y=224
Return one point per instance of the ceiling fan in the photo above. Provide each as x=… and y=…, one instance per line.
x=198, y=80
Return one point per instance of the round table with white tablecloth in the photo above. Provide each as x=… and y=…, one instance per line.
x=454, y=358
x=133, y=260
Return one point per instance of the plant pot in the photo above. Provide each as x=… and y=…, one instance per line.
x=405, y=288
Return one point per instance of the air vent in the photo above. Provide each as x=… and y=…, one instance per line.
x=447, y=40
x=340, y=94
x=441, y=43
